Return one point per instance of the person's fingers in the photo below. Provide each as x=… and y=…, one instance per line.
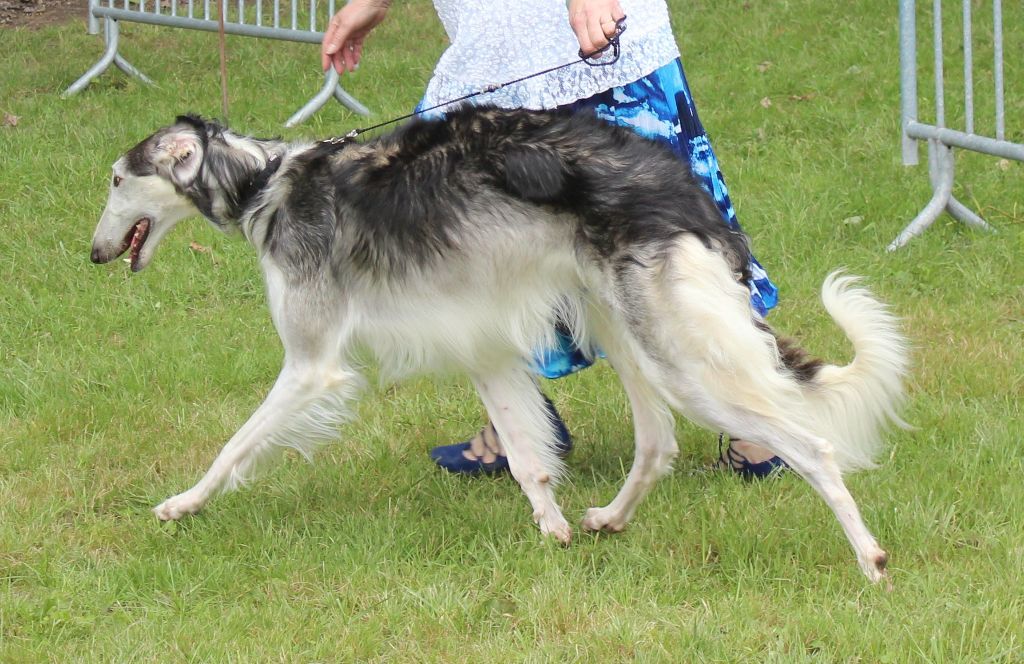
x=338, y=62
x=340, y=58
x=351, y=53
x=595, y=30
x=617, y=13
x=357, y=54
x=609, y=26
x=334, y=44
x=594, y=22
x=578, y=23
x=335, y=37
x=327, y=52
x=325, y=59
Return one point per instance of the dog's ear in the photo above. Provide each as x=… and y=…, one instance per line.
x=178, y=155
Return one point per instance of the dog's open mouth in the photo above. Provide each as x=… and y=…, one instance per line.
x=134, y=240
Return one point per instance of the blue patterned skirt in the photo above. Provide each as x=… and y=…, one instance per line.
x=658, y=106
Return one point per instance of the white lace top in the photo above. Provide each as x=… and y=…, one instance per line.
x=494, y=41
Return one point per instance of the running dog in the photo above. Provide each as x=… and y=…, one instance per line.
x=457, y=244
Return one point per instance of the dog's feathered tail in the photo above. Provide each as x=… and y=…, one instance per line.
x=852, y=405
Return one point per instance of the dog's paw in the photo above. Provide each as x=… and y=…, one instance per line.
x=602, y=519
x=181, y=505
x=874, y=567
x=561, y=532
x=873, y=562
x=554, y=526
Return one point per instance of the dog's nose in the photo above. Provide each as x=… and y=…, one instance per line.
x=95, y=256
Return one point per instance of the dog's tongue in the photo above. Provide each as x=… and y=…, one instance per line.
x=141, y=229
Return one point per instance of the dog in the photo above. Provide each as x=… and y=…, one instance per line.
x=457, y=244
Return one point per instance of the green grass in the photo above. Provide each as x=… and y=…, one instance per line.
x=116, y=391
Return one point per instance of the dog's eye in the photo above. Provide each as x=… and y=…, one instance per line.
x=117, y=180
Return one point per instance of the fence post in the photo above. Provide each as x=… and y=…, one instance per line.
x=942, y=139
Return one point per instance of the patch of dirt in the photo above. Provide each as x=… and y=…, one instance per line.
x=35, y=14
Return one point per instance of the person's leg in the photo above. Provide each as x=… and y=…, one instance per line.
x=658, y=106
x=483, y=454
x=747, y=459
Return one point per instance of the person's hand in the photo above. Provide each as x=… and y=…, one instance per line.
x=593, y=21
x=342, y=45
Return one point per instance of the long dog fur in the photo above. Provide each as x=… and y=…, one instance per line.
x=457, y=244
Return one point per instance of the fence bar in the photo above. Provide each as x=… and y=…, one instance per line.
x=93, y=25
x=111, y=14
x=940, y=95
x=959, y=139
x=246, y=30
x=908, y=78
x=968, y=71
x=997, y=33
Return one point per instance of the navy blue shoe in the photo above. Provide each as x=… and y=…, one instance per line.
x=452, y=459
x=739, y=464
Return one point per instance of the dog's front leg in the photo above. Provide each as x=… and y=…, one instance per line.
x=303, y=410
x=520, y=416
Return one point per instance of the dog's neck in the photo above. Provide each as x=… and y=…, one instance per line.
x=236, y=169
x=256, y=183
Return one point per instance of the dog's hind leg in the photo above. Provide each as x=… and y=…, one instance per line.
x=617, y=313
x=811, y=456
x=717, y=365
x=655, y=450
x=737, y=411
x=517, y=410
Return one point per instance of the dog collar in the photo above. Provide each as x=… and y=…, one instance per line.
x=257, y=183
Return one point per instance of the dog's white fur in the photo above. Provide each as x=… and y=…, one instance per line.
x=704, y=357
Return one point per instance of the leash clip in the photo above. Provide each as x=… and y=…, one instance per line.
x=337, y=140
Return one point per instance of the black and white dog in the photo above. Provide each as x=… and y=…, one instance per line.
x=457, y=244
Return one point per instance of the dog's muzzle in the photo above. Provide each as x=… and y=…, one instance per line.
x=133, y=240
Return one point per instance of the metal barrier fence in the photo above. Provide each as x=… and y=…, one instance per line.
x=282, y=19
x=942, y=139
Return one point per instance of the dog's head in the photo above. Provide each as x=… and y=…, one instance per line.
x=148, y=193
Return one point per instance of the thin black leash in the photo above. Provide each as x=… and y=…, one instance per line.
x=613, y=43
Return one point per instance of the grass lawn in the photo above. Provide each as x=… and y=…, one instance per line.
x=117, y=390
